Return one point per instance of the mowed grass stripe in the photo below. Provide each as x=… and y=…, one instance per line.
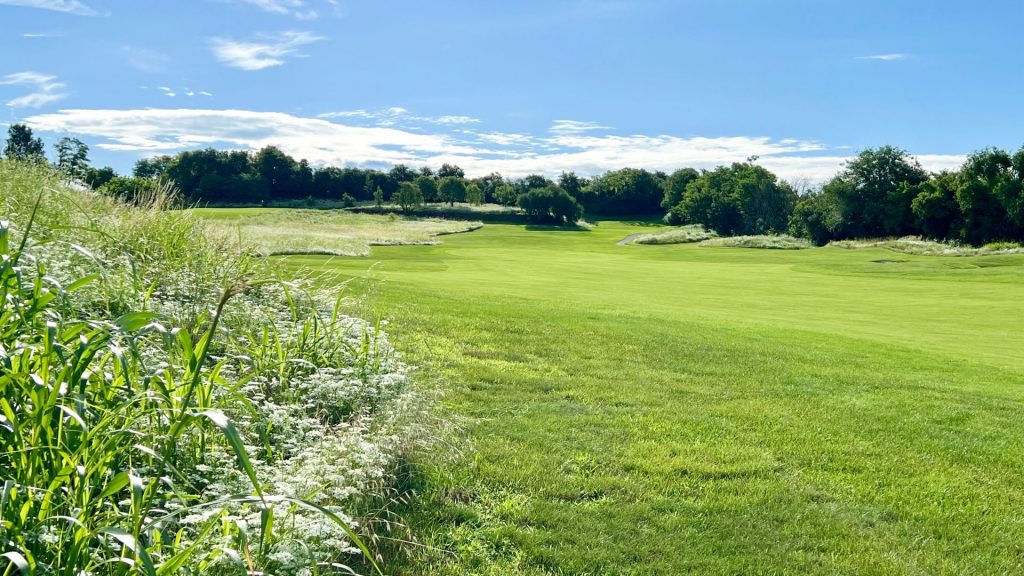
x=674, y=409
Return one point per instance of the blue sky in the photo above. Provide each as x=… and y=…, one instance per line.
x=519, y=87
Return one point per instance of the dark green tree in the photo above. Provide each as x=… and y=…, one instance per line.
x=572, y=184
x=474, y=195
x=409, y=196
x=21, y=145
x=451, y=190
x=278, y=170
x=428, y=188
x=550, y=204
x=740, y=199
x=96, y=177
x=450, y=171
x=402, y=173
x=489, y=186
x=506, y=194
x=626, y=191
x=72, y=156
x=152, y=168
x=989, y=194
x=935, y=207
x=817, y=215
x=875, y=191
x=675, y=186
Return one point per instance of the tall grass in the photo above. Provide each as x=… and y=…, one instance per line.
x=169, y=406
x=331, y=232
x=766, y=241
x=681, y=235
x=918, y=245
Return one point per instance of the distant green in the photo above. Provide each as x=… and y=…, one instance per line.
x=678, y=409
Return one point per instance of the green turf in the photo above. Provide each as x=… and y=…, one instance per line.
x=685, y=409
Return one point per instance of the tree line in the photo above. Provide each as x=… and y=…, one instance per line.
x=882, y=192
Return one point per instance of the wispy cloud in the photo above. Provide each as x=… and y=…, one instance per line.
x=67, y=6
x=397, y=115
x=40, y=34
x=145, y=59
x=575, y=127
x=327, y=142
x=45, y=89
x=264, y=52
x=895, y=56
x=297, y=8
x=167, y=91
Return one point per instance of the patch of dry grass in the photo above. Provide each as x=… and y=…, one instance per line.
x=682, y=235
x=335, y=232
x=920, y=246
x=771, y=242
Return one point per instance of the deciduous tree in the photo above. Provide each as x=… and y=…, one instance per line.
x=21, y=145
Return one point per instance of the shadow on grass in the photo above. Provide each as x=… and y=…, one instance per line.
x=645, y=220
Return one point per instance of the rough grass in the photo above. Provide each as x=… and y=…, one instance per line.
x=695, y=411
x=275, y=231
x=771, y=242
x=682, y=235
x=917, y=245
x=170, y=405
x=487, y=213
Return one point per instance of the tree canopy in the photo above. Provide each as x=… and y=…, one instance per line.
x=551, y=204
x=743, y=198
x=21, y=145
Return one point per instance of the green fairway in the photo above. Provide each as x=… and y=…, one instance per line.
x=684, y=409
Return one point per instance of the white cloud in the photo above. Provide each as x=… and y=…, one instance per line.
x=39, y=34
x=885, y=57
x=396, y=115
x=167, y=91
x=45, y=89
x=326, y=142
x=67, y=6
x=266, y=51
x=574, y=127
x=297, y=8
x=275, y=6
x=205, y=93
x=456, y=120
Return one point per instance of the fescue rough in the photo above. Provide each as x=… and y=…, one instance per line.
x=924, y=247
x=170, y=404
x=771, y=242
